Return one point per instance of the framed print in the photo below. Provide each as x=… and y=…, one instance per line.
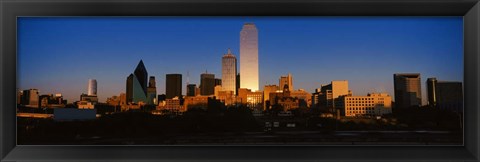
x=307, y=80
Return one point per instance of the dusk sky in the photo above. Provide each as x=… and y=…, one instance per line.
x=60, y=54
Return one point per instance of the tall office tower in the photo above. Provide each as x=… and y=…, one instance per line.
x=229, y=72
x=191, y=89
x=249, y=57
x=173, y=87
x=137, y=84
x=31, y=98
x=407, y=89
x=431, y=91
x=286, y=80
x=207, y=84
x=92, y=87
x=152, y=91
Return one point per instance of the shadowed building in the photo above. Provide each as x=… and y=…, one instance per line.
x=191, y=89
x=137, y=85
x=407, y=89
x=173, y=87
x=31, y=98
x=445, y=94
x=249, y=57
x=152, y=91
x=207, y=84
x=331, y=92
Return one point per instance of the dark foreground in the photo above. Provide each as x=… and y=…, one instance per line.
x=239, y=127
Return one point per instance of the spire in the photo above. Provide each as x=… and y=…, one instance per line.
x=229, y=52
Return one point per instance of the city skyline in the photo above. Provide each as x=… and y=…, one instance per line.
x=419, y=41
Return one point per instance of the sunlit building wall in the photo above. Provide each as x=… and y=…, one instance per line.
x=331, y=92
x=407, y=89
x=229, y=72
x=286, y=80
x=249, y=57
x=267, y=89
x=375, y=104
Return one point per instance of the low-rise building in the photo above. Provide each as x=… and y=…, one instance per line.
x=374, y=104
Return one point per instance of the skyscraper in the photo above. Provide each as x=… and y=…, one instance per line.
x=92, y=87
x=137, y=84
x=31, y=98
x=286, y=80
x=229, y=72
x=207, y=84
x=173, y=87
x=249, y=57
x=407, y=89
x=152, y=91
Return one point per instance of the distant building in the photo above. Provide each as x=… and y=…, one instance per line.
x=229, y=72
x=305, y=98
x=331, y=92
x=237, y=83
x=218, y=82
x=196, y=102
x=217, y=89
x=31, y=98
x=52, y=101
x=407, y=89
x=226, y=97
x=267, y=89
x=374, y=104
x=286, y=80
x=249, y=57
x=86, y=97
x=137, y=84
x=152, y=91
x=207, y=84
x=92, y=87
x=173, y=87
x=315, y=98
x=85, y=105
x=445, y=94
x=172, y=105
x=253, y=100
x=191, y=89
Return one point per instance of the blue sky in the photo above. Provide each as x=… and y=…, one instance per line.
x=60, y=54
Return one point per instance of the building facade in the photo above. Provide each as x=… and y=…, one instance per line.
x=446, y=95
x=407, y=89
x=207, y=84
x=229, y=72
x=137, y=85
x=152, y=91
x=173, y=87
x=191, y=89
x=249, y=57
x=92, y=87
x=286, y=80
x=374, y=104
x=31, y=98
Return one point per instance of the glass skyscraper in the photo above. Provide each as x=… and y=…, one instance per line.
x=229, y=72
x=249, y=57
x=137, y=84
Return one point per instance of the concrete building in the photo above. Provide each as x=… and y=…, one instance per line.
x=237, y=83
x=229, y=72
x=86, y=97
x=286, y=80
x=305, y=98
x=173, y=87
x=445, y=94
x=196, y=102
x=249, y=57
x=172, y=105
x=253, y=100
x=267, y=89
x=331, y=92
x=207, y=84
x=407, y=89
x=374, y=104
x=85, y=105
x=315, y=98
x=137, y=84
x=191, y=89
x=226, y=97
x=52, y=101
x=92, y=87
x=218, y=82
x=31, y=98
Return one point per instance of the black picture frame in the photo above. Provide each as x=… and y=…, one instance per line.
x=11, y=9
